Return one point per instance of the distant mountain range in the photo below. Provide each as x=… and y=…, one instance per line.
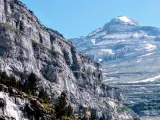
x=130, y=57
x=121, y=38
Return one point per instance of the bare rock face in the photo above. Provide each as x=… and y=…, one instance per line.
x=19, y=106
x=27, y=46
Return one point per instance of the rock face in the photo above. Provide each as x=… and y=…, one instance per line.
x=17, y=106
x=27, y=46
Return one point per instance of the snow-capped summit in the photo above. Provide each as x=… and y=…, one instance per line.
x=121, y=23
x=124, y=20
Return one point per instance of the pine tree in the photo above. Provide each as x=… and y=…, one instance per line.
x=84, y=112
x=31, y=84
x=3, y=78
x=66, y=56
x=44, y=96
x=61, y=105
x=69, y=111
x=12, y=81
x=93, y=114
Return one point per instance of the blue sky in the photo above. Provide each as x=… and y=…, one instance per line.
x=74, y=18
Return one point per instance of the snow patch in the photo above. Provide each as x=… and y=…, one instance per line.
x=126, y=20
x=150, y=47
x=146, y=55
x=108, y=51
x=100, y=60
x=118, y=36
x=111, y=103
x=147, y=80
x=139, y=60
x=120, y=41
x=138, y=35
x=93, y=41
x=95, y=32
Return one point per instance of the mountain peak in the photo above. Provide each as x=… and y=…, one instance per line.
x=124, y=20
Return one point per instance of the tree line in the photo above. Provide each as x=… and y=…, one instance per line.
x=63, y=110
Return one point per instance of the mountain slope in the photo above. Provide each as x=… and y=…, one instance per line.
x=129, y=54
x=27, y=46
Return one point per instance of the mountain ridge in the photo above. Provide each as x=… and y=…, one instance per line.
x=117, y=32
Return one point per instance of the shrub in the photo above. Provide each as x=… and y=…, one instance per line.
x=8, y=26
x=3, y=78
x=30, y=85
x=44, y=96
x=69, y=111
x=62, y=109
x=122, y=109
x=41, y=46
x=84, y=113
x=10, y=81
x=66, y=56
x=61, y=105
x=48, y=107
x=93, y=114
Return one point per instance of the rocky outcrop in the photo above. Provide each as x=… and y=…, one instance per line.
x=27, y=46
x=16, y=105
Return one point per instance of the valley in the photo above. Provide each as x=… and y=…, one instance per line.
x=139, y=80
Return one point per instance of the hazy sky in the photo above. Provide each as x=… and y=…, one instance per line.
x=74, y=18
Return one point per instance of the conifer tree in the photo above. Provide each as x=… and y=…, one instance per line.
x=44, y=96
x=69, y=111
x=93, y=114
x=61, y=105
x=31, y=84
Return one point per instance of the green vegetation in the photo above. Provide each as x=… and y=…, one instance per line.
x=9, y=81
x=93, y=114
x=39, y=44
x=41, y=102
x=44, y=96
x=61, y=105
x=52, y=51
x=30, y=86
x=62, y=109
x=48, y=106
x=78, y=73
x=122, y=109
x=8, y=26
x=98, y=65
x=66, y=57
x=84, y=112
